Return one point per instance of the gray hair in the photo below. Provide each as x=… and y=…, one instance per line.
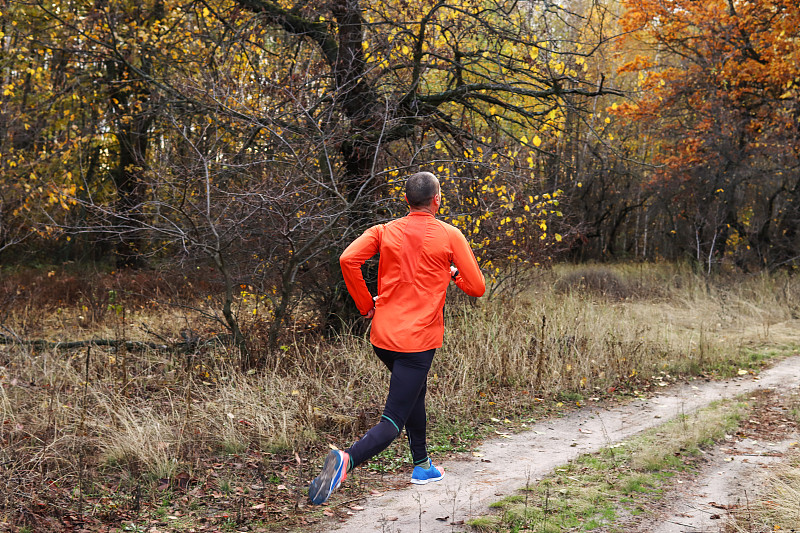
x=421, y=188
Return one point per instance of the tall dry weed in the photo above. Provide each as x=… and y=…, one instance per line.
x=141, y=440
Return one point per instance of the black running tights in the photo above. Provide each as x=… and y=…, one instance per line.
x=405, y=407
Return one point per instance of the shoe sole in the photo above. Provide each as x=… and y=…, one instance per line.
x=321, y=488
x=429, y=480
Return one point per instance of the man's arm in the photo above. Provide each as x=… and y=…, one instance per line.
x=469, y=278
x=361, y=249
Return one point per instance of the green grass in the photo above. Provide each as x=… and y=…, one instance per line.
x=590, y=492
x=232, y=447
x=391, y=459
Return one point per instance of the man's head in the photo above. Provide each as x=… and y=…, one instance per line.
x=421, y=189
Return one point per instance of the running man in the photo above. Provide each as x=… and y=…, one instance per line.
x=419, y=256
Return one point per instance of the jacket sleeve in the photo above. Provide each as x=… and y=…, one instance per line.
x=361, y=249
x=470, y=278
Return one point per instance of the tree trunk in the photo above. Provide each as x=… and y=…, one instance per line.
x=230, y=319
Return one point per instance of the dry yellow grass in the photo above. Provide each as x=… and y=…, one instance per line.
x=147, y=415
x=673, y=321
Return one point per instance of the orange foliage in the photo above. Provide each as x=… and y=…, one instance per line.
x=637, y=64
x=719, y=97
x=718, y=61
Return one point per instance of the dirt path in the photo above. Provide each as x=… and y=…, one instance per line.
x=728, y=482
x=732, y=477
x=509, y=463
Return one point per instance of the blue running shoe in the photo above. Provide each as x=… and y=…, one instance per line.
x=334, y=471
x=425, y=474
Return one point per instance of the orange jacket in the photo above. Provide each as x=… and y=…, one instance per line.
x=413, y=273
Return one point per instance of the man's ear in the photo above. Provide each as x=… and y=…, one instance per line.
x=406, y=199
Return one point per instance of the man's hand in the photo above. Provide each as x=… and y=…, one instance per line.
x=371, y=312
x=453, y=272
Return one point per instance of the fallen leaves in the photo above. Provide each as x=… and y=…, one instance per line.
x=180, y=482
x=723, y=506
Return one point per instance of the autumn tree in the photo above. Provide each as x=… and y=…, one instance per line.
x=458, y=83
x=37, y=138
x=720, y=82
x=260, y=137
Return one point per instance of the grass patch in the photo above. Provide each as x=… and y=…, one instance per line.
x=126, y=420
x=594, y=490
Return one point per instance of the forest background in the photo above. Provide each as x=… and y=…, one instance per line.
x=246, y=143
x=209, y=160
